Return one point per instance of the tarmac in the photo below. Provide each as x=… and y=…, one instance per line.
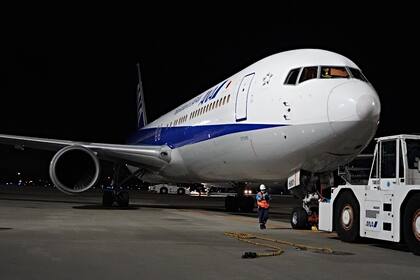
x=45, y=234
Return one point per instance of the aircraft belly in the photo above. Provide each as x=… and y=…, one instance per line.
x=232, y=158
x=260, y=155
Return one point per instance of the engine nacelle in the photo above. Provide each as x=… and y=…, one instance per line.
x=74, y=169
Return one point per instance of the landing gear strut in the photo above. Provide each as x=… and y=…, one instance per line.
x=309, y=189
x=116, y=192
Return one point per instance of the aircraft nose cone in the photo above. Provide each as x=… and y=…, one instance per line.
x=367, y=107
x=353, y=101
x=353, y=113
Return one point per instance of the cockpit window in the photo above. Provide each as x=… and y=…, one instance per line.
x=357, y=74
x=308, y=73
x=326, y=72
x=331, y=72
x=292, y=77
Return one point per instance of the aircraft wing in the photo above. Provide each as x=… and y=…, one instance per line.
x=152, y=157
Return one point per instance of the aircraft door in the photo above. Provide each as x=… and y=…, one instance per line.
x=242, y=97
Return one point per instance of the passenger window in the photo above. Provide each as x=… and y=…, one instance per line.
x=224, y=100
x=357, y=74
x=308, y=73
x=292, y=77
x=330, y=72
x=227, y=101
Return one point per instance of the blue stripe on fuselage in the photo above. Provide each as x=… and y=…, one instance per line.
x=180, y=136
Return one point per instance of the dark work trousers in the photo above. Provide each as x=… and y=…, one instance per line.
x=262, y=215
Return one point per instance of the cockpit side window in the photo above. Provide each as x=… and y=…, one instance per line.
x=308, y=73
x=357, y=74
x=331, y=72
x=292, y=77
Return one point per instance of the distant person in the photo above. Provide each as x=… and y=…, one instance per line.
x=263, y=199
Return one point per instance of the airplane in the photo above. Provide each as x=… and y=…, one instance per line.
x=295, y=115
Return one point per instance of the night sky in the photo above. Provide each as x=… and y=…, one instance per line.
x=77, y=80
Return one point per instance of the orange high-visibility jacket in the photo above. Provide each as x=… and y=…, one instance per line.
x=261, y=202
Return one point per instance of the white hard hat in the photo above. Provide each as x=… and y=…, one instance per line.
x=262, y=187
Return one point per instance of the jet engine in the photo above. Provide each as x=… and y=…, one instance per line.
x=74, y=169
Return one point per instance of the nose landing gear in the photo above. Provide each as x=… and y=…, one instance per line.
x=308, y=187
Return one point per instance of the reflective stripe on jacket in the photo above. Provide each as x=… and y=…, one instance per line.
x=262, y=201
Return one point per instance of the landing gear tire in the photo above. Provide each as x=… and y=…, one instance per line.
x=123, y=199
x=299, y=219
x=163, y=190
x=347, y=218
x=246, y=204
x=411, y=224
x=231, y=204
x=107, y=198
x=180, y=191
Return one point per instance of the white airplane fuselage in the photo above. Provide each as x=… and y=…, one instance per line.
x=252, y=127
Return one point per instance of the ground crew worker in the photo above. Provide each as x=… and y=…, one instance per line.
x=263, y=199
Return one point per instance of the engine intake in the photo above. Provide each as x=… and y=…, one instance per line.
x=74, y=169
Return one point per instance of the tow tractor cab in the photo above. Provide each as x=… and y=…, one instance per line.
x=388, y=207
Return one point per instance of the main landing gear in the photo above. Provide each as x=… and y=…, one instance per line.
x=117, y=192
x=240, y=202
